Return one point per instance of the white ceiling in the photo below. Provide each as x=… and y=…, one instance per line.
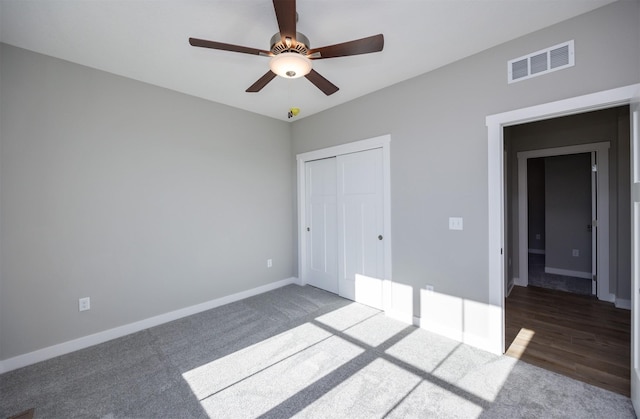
x=147, y=40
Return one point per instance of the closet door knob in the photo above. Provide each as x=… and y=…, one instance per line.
x=380, y=237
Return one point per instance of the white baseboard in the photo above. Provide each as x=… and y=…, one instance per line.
x=537, y=251
x=441, y=330
x=400, y=316
x=621, y=303
x=510, y=288
x=519, y=282
x=567, y=272
x=106, y=335
x=460, y=336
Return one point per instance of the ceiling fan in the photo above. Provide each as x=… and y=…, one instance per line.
x=291, y=53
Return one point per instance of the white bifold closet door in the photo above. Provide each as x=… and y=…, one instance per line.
x=345, y=204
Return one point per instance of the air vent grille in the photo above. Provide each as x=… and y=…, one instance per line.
x=538, y=63
x=520, y=68
x=559, y=57
x=541, y=62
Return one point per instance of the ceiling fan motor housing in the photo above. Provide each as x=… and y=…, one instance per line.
x=299, y=45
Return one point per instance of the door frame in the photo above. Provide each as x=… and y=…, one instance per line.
x=602, y=254
x=635, y=249
x=495, y=182
x=594, y=216
x=382, y=142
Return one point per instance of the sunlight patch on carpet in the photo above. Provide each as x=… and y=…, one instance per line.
x=375, y=330
x=378, y=387
x=217, y=375
x=258, y=378
x=347, y=316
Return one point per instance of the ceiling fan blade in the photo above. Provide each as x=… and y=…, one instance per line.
x=321, y=83
x=367, y=45
x=286, y=15
x=227, y=47
x=262, y=81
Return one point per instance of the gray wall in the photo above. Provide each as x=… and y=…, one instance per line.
x=439, y=140
x=606, y=125
x=144, y=199
x=536, y=204
x=568, y=212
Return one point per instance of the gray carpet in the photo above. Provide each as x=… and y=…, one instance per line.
x=296, y=351
x=539, y=278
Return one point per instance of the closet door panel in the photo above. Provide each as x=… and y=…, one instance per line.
x=360, y=226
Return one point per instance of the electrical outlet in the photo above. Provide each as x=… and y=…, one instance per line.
x=269, y=263
x=538, y=236
x=84, y=304
x=575, y=253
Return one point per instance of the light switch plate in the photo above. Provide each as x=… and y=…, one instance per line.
x=455, y=223
x=84, y=304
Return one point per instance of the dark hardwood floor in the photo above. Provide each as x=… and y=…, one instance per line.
x=574, y=335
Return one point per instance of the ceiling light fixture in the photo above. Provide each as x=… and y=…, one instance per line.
x=290, y=65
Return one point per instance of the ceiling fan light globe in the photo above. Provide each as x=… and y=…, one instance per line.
x=290, y=65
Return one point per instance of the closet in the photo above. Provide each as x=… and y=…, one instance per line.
x=344, y=231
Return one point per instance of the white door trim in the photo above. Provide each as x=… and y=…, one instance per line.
x=594, y=216
x=635, y=249
x=602, y=157
x=495, y=124
x=383, y=142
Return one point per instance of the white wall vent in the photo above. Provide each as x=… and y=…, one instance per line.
x=541, y=62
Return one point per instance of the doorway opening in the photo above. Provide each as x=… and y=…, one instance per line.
x=568, y=225
x=561, y=223
x=499, y=268
x=576, y=179
x=582, y=162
